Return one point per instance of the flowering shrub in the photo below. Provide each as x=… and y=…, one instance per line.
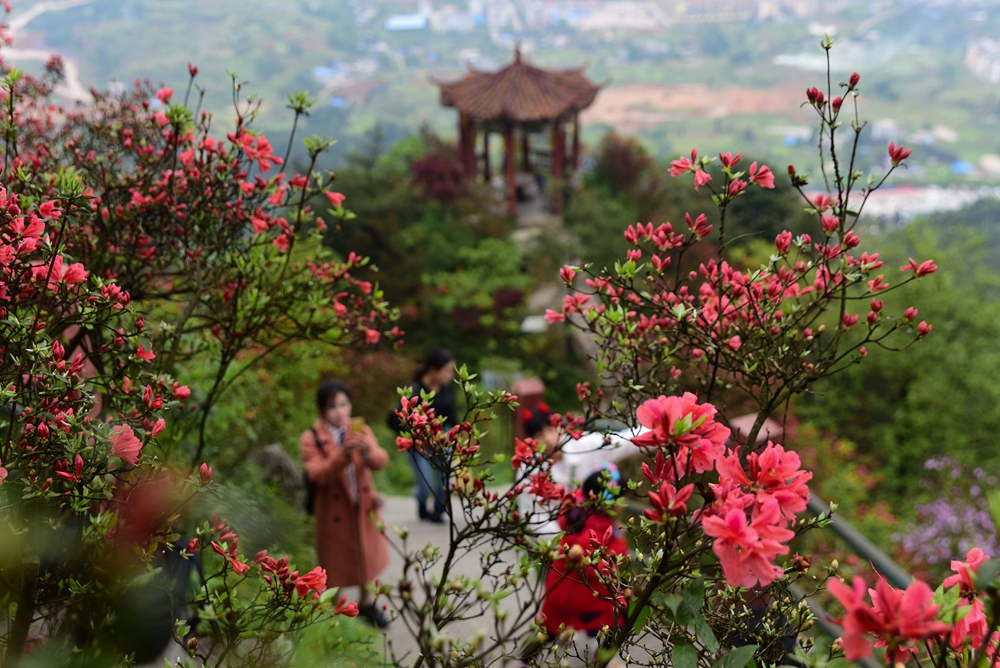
x=223, y=255
x=710, y=582
x=114, y=217
x=953, y=626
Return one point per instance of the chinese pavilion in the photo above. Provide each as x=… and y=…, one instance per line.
x=516, y=102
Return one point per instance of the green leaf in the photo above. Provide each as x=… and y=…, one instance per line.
x=690, y=608
x=706, y=635
x=738, y=658
x=987, y=573
x=669, y=601
x=640, y=620
x=684, y=656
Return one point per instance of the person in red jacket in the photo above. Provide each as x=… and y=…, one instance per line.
x=570, y=587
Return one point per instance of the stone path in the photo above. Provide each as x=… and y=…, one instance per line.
x=402, y=512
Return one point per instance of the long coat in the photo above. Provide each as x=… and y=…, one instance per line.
x=349, y=545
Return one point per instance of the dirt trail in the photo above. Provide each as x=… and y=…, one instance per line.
x=71, y=87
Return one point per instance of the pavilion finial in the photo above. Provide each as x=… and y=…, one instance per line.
x=517, y=52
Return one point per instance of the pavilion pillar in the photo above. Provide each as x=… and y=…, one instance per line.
x=558, y=164
x=511, y=168
x=576, y=143
x=467, y=145
x=487, y=173
x=525, y=151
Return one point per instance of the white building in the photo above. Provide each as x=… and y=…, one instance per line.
x=983, y=60
x=451, y=19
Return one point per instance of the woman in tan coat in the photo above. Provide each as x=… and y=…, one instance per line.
x=339, y=462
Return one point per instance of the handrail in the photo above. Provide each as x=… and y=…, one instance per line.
x=863, y=547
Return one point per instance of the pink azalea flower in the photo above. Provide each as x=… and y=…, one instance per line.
x=125, y=444
x=668, y=501
x=973, y=626
x=729, y=161
x=745, y=551
x=682, y=164
x=345, y=608
x=553, y=317
x=965, y=569
x=895, y=618
x=336, y=199
x=763, y=177
x=683, y=422
x=314, y=580
x=924, y=268
x=524, y=451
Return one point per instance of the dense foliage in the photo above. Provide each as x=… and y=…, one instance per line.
x=135, y=245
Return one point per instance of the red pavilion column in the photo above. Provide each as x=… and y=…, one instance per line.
x=525, y=151
x=487, y=174
x=576, y=142
x=509, y=162
x=558, y=164
x=467, y=145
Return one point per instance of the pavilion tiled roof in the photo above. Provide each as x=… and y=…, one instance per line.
x=519, y=93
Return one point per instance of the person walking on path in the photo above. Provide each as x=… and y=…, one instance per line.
x=339, y=458
x=434, y=375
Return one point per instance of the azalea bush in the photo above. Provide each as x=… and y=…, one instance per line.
x=680, y=345
x=135, y=244
x=208, y=234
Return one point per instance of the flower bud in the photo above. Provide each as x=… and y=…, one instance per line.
x=855, y=78
x=205, y=472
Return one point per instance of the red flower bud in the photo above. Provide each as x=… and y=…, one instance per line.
x=855, y=78
x=205, y=472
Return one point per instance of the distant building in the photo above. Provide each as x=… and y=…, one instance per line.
x=982, y=58
x=398, y=22
x=451, y=19
x=710, y=11
x=626, y=15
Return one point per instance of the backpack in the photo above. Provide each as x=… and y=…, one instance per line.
x=310, y=501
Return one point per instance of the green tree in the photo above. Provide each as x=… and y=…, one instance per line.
x=941, y=397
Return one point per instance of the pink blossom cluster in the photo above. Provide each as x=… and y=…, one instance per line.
x=903, y=621
x=751, y=508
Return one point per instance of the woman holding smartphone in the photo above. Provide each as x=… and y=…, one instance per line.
x=339, y=453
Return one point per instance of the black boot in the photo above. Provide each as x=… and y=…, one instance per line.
x=374, y=616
